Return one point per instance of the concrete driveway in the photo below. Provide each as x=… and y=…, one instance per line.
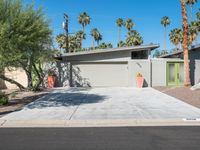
x=105, y=103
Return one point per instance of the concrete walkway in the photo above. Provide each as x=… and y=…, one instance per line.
x=105, y=104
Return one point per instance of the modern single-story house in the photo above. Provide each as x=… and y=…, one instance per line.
x=117, y=67
x=106, y=67
x=194, y=57
x=120, y=66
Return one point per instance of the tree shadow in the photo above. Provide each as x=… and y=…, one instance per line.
x=77, y=79
x=64, y=76
x=72, y=97
x=17, y=104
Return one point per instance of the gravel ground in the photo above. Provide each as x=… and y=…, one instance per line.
x=182, y=93
x=21, y=99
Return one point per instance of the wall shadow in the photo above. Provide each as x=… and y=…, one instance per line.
x=145, y=84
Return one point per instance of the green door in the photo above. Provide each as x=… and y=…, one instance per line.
x=175, y=74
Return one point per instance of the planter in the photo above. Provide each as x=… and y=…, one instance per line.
x=140, y=81
x=51, y=81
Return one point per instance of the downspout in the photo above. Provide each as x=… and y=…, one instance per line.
x=150, y=63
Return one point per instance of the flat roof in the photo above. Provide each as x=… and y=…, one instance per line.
x=132, y=48
x=181, y=51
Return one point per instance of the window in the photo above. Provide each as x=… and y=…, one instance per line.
x=139, y=55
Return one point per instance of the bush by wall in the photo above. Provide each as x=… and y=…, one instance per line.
x=3, y=98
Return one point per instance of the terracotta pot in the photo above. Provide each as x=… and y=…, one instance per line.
x=140, y=81
x=51, y=81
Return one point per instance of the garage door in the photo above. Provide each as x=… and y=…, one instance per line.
x=100, y=74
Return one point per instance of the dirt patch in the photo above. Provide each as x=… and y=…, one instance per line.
x=21, y=99
x=182, y=93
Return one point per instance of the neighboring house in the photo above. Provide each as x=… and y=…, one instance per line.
x=117, y=67
x=18, y=75
x=194, y=57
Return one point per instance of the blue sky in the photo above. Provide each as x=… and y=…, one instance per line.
x=146, y=15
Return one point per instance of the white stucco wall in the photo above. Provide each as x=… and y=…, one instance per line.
x=197, y=71
x=159, y=72
x=139, y=66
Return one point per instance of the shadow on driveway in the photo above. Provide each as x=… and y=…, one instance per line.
x=69, y=98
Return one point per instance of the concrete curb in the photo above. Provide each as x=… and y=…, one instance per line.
x=96, y=123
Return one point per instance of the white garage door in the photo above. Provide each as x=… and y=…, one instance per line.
x=100, y=74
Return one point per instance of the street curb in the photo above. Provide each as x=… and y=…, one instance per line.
x=96, y=123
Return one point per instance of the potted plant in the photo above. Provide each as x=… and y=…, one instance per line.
x=51, y=79
x=140, y=80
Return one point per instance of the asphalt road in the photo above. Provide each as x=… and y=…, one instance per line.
x=121, y=138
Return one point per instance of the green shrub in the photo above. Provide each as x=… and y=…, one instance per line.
x=13, y=95
x=3, y=98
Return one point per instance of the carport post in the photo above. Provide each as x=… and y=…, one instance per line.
x=70, y=74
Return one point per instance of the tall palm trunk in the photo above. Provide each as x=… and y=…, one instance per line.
x=119, y=34
x=83, y=29
x=81, y=41
x=191, y=13
x=185, y=44
x=93, y=43
x=196, y=41
x=165, y=33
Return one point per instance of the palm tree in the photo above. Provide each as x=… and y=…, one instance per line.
x=80, y=35
x=134, y=38
x=176, y=36
x=60, y=39
x=129, y=24
x=164, y=52
x=102, y=46
x=185, y=44
x=73, y=43
x=198, y=21
x=96, y=36
x=156, y=54
x=121, y=44
x=99, y=38
x=120, y=23
x=193, y=31
x=165, y=21
x=198, y=15
x=191, y=3
x=109, y=45
x=93, y=33
x=84, y=20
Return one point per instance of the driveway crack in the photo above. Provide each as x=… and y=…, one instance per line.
x=3, y=123
x=76, y=109
x=74, y=112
